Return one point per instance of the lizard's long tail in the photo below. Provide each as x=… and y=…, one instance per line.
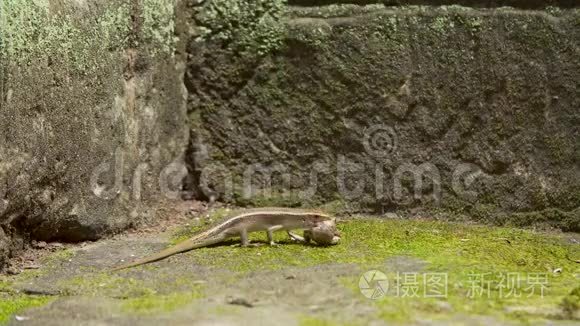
x=179, y=248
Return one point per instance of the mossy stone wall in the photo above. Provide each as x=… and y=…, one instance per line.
x=92, y=110
x=486, y=97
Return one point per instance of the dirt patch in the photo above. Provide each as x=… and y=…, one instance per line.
x=170, y=214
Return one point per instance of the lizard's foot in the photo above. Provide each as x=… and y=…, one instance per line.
x=251, y=245
x=295, y=237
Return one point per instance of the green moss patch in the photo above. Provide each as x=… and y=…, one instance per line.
x=137, y=296
x=317, y=321
x=502, y=272
x=492, y=271
x=370, y=242
x=571, y=304
x=151, y=304
x=12, y=303
x=251, y=27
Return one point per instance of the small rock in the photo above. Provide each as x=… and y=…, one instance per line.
x=32, y=266
x=314, y=308
x=39, y=244
x=558, y=270
x=291, y=277
x=443, y=306
x=57, y=245
x=391, y=215
x=21, y=318
x=533, y=310
x=199, y=282
x=240, y=302
x=12, y=270
x=9, y=95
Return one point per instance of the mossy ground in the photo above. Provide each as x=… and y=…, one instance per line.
x=490, y=271
x=154, y=304
x=11, y=303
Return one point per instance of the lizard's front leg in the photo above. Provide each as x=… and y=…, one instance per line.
x=270, y=232
x=298, y=238
x=244, y=238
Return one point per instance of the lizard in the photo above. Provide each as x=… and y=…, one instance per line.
x=319, y=225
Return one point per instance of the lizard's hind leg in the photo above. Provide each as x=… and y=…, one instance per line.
x=244, y=238
x=245, y=241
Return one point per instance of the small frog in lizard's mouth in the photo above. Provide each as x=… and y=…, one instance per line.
x=324, y=233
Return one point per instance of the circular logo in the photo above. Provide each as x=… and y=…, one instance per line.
x=373, y=284
x=380, y=140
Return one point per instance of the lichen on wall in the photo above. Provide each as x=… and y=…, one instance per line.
x=40, y=29
x=251, y=27
x=159, y=25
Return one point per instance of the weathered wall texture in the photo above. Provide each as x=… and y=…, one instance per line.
x=491, y=96
x=91, y=98
x=526, y=4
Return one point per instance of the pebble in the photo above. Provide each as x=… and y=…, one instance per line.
x=393, y=216
x=39, y=244
x=12, y=270
x=240, y=302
